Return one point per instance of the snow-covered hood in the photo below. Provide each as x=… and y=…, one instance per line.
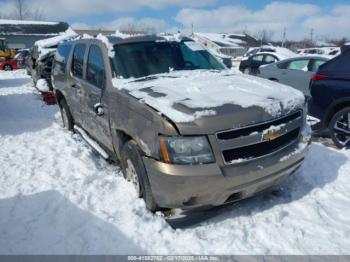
x=184, y=96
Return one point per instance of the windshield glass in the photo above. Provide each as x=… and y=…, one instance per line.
x=149, y=58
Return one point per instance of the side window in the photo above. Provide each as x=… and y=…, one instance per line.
x=282, y=65
x=258, y=58
x=95, y=73
x=78, y=60
x=270, y=59
x=301, y=65
x=61, y=57
x=316, y=64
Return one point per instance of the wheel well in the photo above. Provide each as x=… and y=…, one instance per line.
x=59, y=96
x=273, y=79
x=121, y=139
x=336, y=109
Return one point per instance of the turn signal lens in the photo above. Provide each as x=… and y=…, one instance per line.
x=164, y=151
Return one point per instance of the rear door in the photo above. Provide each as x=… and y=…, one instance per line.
x=255, y=62
x=297, y=75
x=94, y=106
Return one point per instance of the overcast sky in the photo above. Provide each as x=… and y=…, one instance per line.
x=326, y=18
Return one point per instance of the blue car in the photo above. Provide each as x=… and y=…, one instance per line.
x=330, y=102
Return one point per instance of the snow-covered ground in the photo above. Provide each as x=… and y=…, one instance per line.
x=58, y=197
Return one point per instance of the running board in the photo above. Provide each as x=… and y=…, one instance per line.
x=91, y=142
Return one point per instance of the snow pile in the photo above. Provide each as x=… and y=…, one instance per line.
x=58, y=197
x=209, y=89
x=108, y=44
x=42, y=85
x=48, y=45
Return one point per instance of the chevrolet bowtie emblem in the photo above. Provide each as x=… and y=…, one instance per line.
x=270, y=135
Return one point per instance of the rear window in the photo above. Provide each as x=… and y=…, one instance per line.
x=298, y=65
x=78, y=60
x=62, y=53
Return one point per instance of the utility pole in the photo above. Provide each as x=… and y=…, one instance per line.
x=284, y=37
x=312, y=35
x=192, y=26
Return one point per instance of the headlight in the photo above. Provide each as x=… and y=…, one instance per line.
x=186, y=150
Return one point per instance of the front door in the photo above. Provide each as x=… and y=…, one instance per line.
x=94, y=106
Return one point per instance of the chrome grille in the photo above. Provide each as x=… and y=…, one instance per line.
x=252, y=142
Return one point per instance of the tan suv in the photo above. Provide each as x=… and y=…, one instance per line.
x=188, y=132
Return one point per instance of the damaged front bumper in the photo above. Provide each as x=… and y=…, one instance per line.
x=198, y=186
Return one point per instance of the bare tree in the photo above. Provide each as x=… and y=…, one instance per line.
x=21, y=9
x=23, y=12
x=264, y=36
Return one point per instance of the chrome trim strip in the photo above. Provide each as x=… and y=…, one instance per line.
x=258, y=124
x=260, y=157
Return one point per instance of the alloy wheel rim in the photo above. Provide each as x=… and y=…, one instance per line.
x=7, y=68
x=132, y=176
x=342, y=129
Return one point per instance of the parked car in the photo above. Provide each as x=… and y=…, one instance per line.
x=22, y=57
x=8, y=65
x=295, y=72
x=251, y=64
x=280, y=51
x=39, y=65
x=42, y=54
x=330, y=103
x=326, y=51
x=187, y=132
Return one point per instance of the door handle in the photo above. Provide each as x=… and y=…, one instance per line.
x=75, y=86
x=98, y=108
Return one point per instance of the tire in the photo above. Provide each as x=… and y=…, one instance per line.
x=274, y=80
x=131, y=158
x=247, y=71
x=8, y=68
x=339, y=128
x=67, y=118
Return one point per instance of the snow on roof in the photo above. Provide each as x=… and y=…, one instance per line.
x=15, y=27
x=222, y=40
x=124, y=35
x=108, y=44
x=25, y=22
x=48, y=45
x=45, y=43
x=281, y=52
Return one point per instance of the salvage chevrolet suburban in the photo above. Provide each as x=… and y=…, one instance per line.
x=188, y=132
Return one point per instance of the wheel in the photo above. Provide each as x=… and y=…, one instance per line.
x=67, y=118
x=339, y=128
x=8, y=68
x=135, y=172
x=247, y=71
x=274, y=80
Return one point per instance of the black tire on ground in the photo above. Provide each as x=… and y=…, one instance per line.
x=131, y=158
x=8, y=68
x=339, y=128
x=67, y=118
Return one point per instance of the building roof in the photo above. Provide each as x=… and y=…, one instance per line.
x=18, y=27
x=229, y=40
